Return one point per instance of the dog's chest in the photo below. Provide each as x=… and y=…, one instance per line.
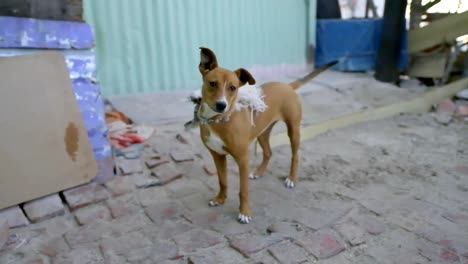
x=214, y=142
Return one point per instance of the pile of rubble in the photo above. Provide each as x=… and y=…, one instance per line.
x=452, y=108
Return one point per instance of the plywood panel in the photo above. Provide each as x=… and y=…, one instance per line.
x=44, y=147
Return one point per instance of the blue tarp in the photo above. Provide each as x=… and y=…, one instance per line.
x=24, y=35
x=354, y=42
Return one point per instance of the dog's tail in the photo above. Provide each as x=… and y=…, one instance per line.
x=310, y=76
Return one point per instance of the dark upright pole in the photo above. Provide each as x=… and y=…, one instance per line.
x=388, y=56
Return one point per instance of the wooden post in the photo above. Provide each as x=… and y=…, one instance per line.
x=388, y=56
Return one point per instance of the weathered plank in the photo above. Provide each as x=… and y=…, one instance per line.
x=444, y=30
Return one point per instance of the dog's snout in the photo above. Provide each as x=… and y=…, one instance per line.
x=220, y=106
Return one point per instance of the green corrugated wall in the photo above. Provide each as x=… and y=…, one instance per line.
x=152, y=45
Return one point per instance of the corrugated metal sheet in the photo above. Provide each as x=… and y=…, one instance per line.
x=152, y=45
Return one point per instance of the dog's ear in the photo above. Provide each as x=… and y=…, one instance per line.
x=244, y=76
x=207, y=60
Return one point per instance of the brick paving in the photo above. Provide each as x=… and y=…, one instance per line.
x=391, y=191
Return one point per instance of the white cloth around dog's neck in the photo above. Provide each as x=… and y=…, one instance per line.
x=248, y=96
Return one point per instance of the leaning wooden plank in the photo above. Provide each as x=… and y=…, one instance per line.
x=441, y=31
x=417, y=105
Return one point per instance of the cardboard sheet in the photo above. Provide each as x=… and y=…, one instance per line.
x=44, y=146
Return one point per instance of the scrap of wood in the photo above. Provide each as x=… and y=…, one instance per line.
x=420, y=104
x=444, y=30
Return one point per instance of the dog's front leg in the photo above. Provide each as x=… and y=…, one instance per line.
x=221, y=167
x=245, y=216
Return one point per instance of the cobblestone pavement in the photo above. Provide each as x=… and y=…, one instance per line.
x=390, y=191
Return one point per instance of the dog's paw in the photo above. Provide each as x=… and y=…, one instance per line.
x=213, y=203
x=253, y=176
x=243, y=219
x=289, y=184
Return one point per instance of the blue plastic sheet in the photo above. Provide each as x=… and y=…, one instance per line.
x=353, y=42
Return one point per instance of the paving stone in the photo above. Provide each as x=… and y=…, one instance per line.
x=322, y=244
x=123, y=205
x=15, y=216
x=197, y=239
x=129, y=166
x=210, y=168
x=462, y=169
x=155, y=162
x=129, y=223
x=160, y=212
x=89, y=233
x=182, y=155
x=370, y=224
x=353, y=233
x=124, y=244
x=43, y=208
x=167, y=230
x=184, y=138
x=161, y=250
x=4, y=232
x=90, y=214
x=457, y=218
x=204, y=217
x=250, y=242
x=166, y=173
x=263, y=257
x=223, y=255
x=287, y=229
x=317, y=218
x=145, y=181
x=439, y=254
x=120, y=185
x=85, y=195
x=287, y=252
x=59, y=225
x=88, y=253
x=152, y=196
x=53, y=246
x=184, y=187
x=196, y=201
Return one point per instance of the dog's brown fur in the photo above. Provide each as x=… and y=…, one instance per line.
x=237, y=133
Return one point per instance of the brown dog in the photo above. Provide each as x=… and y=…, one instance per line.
x=225, y=130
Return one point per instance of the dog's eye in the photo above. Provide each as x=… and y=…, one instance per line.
x=213, y=84
x=232, y=88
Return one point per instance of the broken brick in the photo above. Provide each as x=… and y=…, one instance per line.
x=43, y=208
x=166, y=173
x=85, y=195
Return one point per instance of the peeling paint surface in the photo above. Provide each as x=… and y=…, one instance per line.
x=44, y=34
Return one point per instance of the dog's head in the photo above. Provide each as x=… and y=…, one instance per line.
x=220, y=86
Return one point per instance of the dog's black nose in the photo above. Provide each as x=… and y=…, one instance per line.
x=220, y=106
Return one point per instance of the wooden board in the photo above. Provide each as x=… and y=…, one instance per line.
x=417, y=105
x=445, y=30
x=44, y=147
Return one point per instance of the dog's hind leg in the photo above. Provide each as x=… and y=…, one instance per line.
x=294, y=133
x=264, y=141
